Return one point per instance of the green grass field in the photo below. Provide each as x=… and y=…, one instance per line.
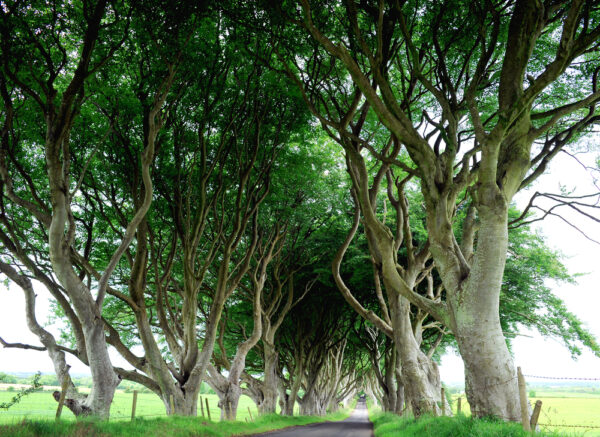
x=390, y=425
x=558, y=411
x=158, y=427
x=34, y=416
x=560, y=408
x=41, y=405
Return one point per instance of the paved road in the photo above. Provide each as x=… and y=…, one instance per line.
x=357, y=425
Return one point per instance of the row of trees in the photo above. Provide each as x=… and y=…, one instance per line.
x=164, y=176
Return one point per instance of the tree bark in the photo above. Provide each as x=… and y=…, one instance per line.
x=104, y=378
x=296, y=384
x=490, y=375
x=270, y=383
x=420, y=375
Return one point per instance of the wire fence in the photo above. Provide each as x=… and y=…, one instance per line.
x=41, y=405
x=569, y=378
x=127, y=406
x=548, y=420
x=562, y=412
x=568, y=426
x=548, y=424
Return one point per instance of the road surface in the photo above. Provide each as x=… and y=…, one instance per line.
x=357, y=425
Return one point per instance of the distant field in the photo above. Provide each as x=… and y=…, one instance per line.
x=573, y=410
x=563, y=408
x=41, y=405
x=567, y=394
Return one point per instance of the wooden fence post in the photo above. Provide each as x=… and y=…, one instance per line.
x=172, y=404
x=536, y=414
x=201, y=406
x=133, y=405
x=523, y=399
x=443, y=397
x=250, y=413
x=458, y=406
x=207, y=409
x=63, y=394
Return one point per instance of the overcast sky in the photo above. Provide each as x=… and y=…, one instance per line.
x=533, y=353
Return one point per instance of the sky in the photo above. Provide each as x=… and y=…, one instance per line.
x=534, y=354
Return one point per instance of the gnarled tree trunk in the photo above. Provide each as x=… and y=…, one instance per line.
x=74, y=400
x=490, y=375
x=420, y=375
x=270, y=382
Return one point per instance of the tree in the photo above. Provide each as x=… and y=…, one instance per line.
x=26, y=35
x=526, y=298
x=295, y=213
x=466, y=90
x=313, y=346
x=7, y=379
x=161, y=177
x=43, y=99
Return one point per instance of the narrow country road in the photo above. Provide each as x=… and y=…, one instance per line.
x=357, y=425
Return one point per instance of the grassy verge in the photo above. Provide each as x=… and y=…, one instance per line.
x=390, y=425
x=42, y=406
x=561, y=410
x=171, y=426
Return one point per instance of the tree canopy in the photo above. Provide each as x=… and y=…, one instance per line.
x=296, y=201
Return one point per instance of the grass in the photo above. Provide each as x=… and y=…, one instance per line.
x=390, y=425
x=558, y=411
x=171, y=426
x=34, y=416
x=562, y=408
x=41, y=405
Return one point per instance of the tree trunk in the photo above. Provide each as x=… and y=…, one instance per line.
x=74, y=400
x=104, y=378
x=399, y=399
x=296, y=383
x=230, y=397
x=389, y=399
x=271, y=379
x=185, y=404
x=229, y=401
x=400, y=396
x=309, y=406
x=346, y=401
x=490, y=376
x=192, y=386
x=285, y=403
x=420, y=375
